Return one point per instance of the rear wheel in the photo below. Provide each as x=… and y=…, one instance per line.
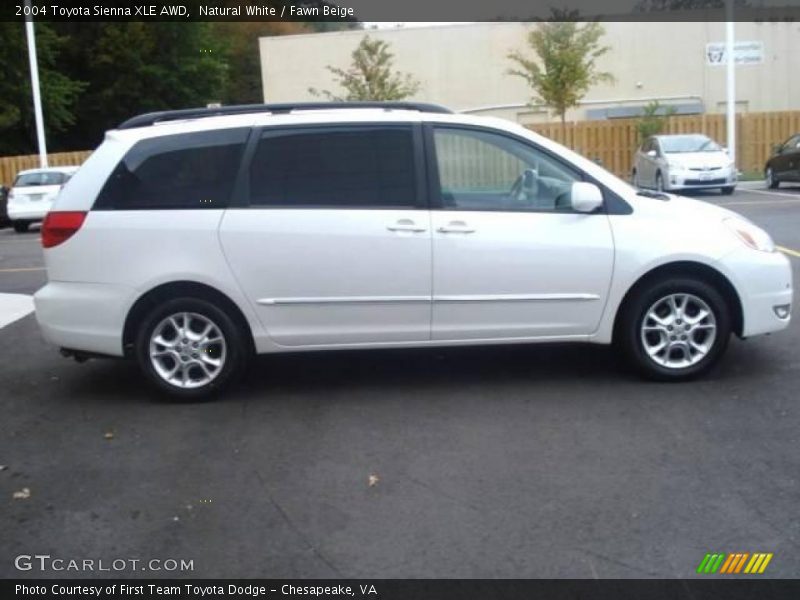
x=675, y=329
x=769, y=176
x=21, y=226
x=190, y=348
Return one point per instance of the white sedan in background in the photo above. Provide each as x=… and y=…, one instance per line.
x=670, y=163
x=32, y=195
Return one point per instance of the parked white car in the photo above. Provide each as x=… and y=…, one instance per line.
x=33, y=192
x=191, y=240
x=683, y=162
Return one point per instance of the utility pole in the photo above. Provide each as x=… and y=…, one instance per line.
x=37, y=97
x=731, y=80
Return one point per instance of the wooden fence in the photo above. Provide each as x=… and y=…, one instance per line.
x=11, y=165
x=614, y=142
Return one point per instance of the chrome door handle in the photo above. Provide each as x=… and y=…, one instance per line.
x=406, y=225
x=455, y=228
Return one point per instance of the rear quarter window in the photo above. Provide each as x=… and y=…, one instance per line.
x=185, y=171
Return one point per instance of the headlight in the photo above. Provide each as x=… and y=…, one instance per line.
x=753, y=236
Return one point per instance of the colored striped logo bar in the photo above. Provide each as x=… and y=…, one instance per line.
x=734, y=563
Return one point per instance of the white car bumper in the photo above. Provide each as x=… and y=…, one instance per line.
x=83, y=316
x=28, y=211
x=764, y=283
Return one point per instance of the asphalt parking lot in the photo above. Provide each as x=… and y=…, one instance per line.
x=545, y=461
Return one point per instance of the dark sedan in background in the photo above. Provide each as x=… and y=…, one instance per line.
x=4, y=220
x=784, y=165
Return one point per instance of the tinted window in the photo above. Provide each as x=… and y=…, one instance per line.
x=355, y=167
x=792, y=144
x=486, y=171
x=195, y=170
x=41, y=178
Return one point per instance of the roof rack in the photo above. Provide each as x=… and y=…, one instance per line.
x=152, y=118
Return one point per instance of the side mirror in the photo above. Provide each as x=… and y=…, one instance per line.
x=585, y=197
x=725, y=149
x=652, y=153
x=776, y=149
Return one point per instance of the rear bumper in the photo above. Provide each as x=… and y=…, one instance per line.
x=27, y=213
x=83, y=316
x=764, y=283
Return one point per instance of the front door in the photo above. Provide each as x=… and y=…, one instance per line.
x=511, y=259
x=335, y=245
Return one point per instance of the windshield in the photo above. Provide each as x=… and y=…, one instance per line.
x=688, y=143
x=41, y=178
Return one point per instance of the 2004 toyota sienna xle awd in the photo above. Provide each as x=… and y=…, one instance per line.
x=191, y=240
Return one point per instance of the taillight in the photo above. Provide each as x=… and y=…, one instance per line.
x=59, y=226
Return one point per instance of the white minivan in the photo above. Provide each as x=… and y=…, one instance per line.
x=192, y=240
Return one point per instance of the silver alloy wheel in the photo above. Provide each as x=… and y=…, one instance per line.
x=769, y=178
x=187, y=350
x=678, y=331
x=659, y=183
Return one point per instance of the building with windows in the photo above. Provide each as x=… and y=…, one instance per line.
x=465, y=67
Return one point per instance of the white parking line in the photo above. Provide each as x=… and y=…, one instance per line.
x=13, y=307
x=759, y=202
x=770, y=193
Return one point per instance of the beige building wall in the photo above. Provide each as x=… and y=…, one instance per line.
x=465, y=67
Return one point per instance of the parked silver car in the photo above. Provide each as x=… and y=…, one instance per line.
x=678, y=162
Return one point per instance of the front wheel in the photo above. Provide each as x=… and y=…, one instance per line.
x=727, y=190
x=660, y=182
x=675, y=329
x=769, y=176
x=190, y=348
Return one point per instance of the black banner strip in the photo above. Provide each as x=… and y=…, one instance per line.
x=399, y=10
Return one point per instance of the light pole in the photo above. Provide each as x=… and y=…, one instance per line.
x=731, y=81
x=37, y=97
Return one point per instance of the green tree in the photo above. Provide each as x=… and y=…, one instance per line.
x=565, y=66
x=370, y=76
x=654, y=118
x=135, y=67
x=60, y=92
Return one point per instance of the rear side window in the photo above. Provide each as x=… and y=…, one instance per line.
x=194, y=170
x=350, y=167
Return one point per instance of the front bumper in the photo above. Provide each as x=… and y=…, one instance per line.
x=83, y=316
x=685, y=179
x=764, y=283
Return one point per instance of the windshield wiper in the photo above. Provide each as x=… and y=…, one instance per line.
x=649, y=194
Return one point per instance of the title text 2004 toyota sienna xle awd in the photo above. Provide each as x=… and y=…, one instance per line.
x=191, y=240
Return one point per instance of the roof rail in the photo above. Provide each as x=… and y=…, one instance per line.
x=152, y=118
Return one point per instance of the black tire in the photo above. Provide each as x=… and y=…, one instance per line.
x=727, y=190
x=772, y=181
x=236, y=355
x=660, y=182
x=628, y=336
x=21, y=226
